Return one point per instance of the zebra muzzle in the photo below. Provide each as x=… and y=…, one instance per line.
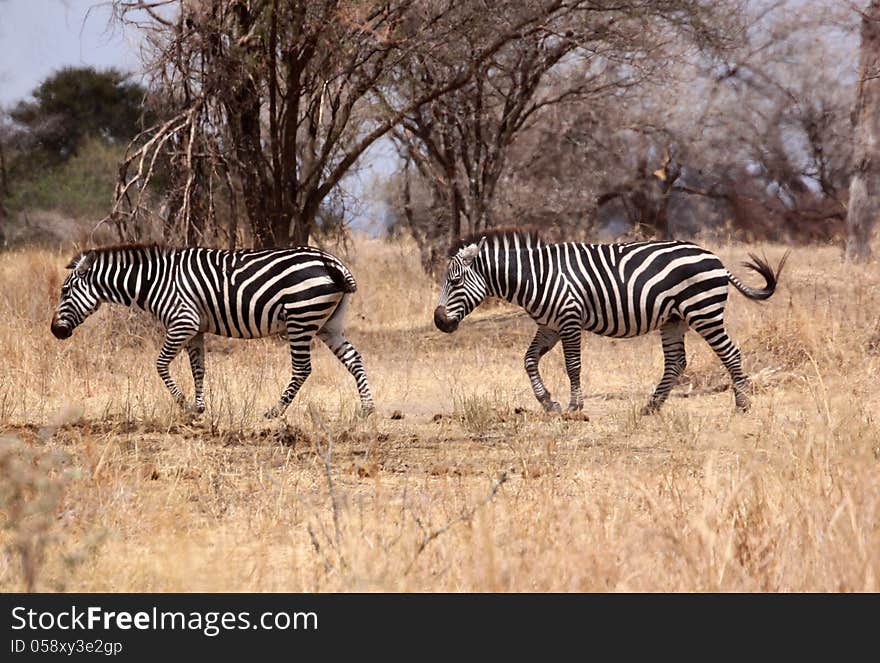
x=60, y=330
x=442, y=322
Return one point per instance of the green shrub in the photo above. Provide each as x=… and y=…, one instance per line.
x=80, y=187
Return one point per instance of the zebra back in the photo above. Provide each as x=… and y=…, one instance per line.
x=505, y=239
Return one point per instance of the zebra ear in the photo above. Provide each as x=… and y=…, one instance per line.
x=83, y=264
x=471, y=251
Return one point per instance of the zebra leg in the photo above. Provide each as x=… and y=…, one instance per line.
x=571, y=347
x=333, y=335
x=674, y=362
x=541, y=344
x=196, y=351
x=176, y=337
x=300, y=339
x=717, y=338
x=347, y=354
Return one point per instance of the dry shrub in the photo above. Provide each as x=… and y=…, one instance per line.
x=32, y=483
x=779, y=344
x=477, y=412
x=51, y=228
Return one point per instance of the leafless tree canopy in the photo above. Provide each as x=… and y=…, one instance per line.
x=588, y=117
x=741, y=126
x=460, y=145
x=271, y=103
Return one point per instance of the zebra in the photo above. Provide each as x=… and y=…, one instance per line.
x=299, y=292
x=617, y=290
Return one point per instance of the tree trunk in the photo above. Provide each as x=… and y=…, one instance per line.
x=4, y=181
x=243, y=109
x=865, y=183
x=4, y=192
x=257, y=212
x=300, y=229
x=666, y=177
x=454, y=204
x=255, y=190
x=479, y=213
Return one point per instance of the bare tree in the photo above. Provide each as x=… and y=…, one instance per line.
x=760, y=133
x=865, y=183
x=4, y=176
x=461, y=143
x=276, y=101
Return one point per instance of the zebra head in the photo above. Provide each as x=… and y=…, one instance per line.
x=462, y=291
x=78, y=297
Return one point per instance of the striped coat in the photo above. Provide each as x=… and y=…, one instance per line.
x=299, y=292
x=618, y=290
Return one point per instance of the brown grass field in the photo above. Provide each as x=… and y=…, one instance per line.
x=459, y=482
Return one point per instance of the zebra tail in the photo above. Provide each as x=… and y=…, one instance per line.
x=762, y=267
x=341, y=277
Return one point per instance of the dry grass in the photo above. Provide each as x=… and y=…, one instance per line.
x=488, y=496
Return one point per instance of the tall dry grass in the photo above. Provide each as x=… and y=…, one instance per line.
x=473, y=488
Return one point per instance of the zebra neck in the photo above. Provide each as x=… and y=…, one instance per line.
x=508, y=274
x=130, y=276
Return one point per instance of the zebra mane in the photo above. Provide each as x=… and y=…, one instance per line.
x=135, y=249
x=526, y=237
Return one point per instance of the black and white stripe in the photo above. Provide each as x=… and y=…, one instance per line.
x=618, y=290
x=299, y=292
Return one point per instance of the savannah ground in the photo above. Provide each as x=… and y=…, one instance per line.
x=458, y=482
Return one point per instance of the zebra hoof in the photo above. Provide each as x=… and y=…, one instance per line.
x=366, y=411
x=552, y=406
x=273, y=412
x=575, y=407
x=197, y=409
x=649, y=409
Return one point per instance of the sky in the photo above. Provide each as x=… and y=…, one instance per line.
x=38, y=37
